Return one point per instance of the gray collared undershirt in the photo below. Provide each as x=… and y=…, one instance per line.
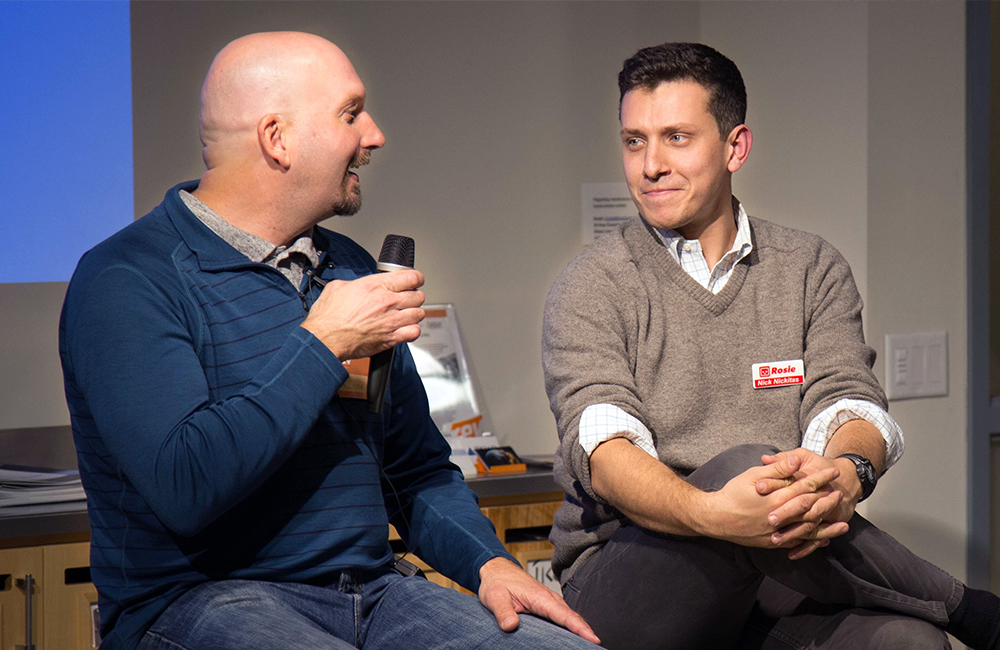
x=291, y=261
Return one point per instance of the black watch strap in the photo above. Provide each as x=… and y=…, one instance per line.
x=866, y=474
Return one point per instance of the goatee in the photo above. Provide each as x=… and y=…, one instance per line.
x=350, y=202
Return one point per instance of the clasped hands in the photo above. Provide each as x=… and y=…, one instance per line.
x=798, y=500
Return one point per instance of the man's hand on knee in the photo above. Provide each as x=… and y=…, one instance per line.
x=506, y=590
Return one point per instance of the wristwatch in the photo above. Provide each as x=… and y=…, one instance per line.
x=866, y=474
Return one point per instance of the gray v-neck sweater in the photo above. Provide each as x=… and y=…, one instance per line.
x=625, y=325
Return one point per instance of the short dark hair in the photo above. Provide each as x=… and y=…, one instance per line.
x=651, y=66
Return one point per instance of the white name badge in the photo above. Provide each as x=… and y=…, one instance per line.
x=772, y=374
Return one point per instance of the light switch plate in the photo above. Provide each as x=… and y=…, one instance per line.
x=916, y=365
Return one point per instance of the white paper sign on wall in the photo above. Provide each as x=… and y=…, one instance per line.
x=604, y=206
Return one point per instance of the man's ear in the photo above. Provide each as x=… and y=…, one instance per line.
x=272, y=136
x=738, y=144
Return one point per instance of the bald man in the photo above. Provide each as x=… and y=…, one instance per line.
x=238, y=496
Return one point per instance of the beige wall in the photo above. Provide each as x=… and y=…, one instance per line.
x=805, y=65
x=916, y=257
x=495, y=112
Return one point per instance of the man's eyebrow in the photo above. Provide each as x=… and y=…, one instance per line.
x=354, y=100
x=670, y=128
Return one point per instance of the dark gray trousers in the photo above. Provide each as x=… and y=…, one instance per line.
x=645, y=590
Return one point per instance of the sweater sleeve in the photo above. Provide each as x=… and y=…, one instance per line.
x=427, y=499
x=838, y=363
x=590, y=315
x=131, y=354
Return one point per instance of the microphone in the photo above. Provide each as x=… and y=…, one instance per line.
x=396, y=255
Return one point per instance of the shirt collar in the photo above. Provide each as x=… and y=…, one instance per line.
x=257, y=249
x=741, y=247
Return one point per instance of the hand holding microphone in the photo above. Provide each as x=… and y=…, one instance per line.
x=363, y=317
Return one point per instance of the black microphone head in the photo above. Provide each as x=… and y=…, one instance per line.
x=398, y=250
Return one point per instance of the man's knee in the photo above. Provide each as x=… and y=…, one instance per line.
x=900, y=633
x=734, y=461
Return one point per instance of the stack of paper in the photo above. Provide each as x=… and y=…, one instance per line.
x=21, y=486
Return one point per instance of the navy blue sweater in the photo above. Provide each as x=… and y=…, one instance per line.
x=211, y=440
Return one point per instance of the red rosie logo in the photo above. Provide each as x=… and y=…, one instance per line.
x=772, y=374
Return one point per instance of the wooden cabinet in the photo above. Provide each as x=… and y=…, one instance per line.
x=70, y=598
x=61, y=598
x=16, y=566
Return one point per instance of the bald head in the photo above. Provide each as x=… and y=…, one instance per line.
x=283, y=123
x=260, y=74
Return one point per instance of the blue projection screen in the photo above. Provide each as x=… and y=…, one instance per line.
x=66, y=176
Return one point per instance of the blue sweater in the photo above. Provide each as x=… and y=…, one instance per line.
x=211, y=440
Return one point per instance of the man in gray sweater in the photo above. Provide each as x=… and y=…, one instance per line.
x=718, y=417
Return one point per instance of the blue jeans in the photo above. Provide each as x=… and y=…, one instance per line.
x=374, y=610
